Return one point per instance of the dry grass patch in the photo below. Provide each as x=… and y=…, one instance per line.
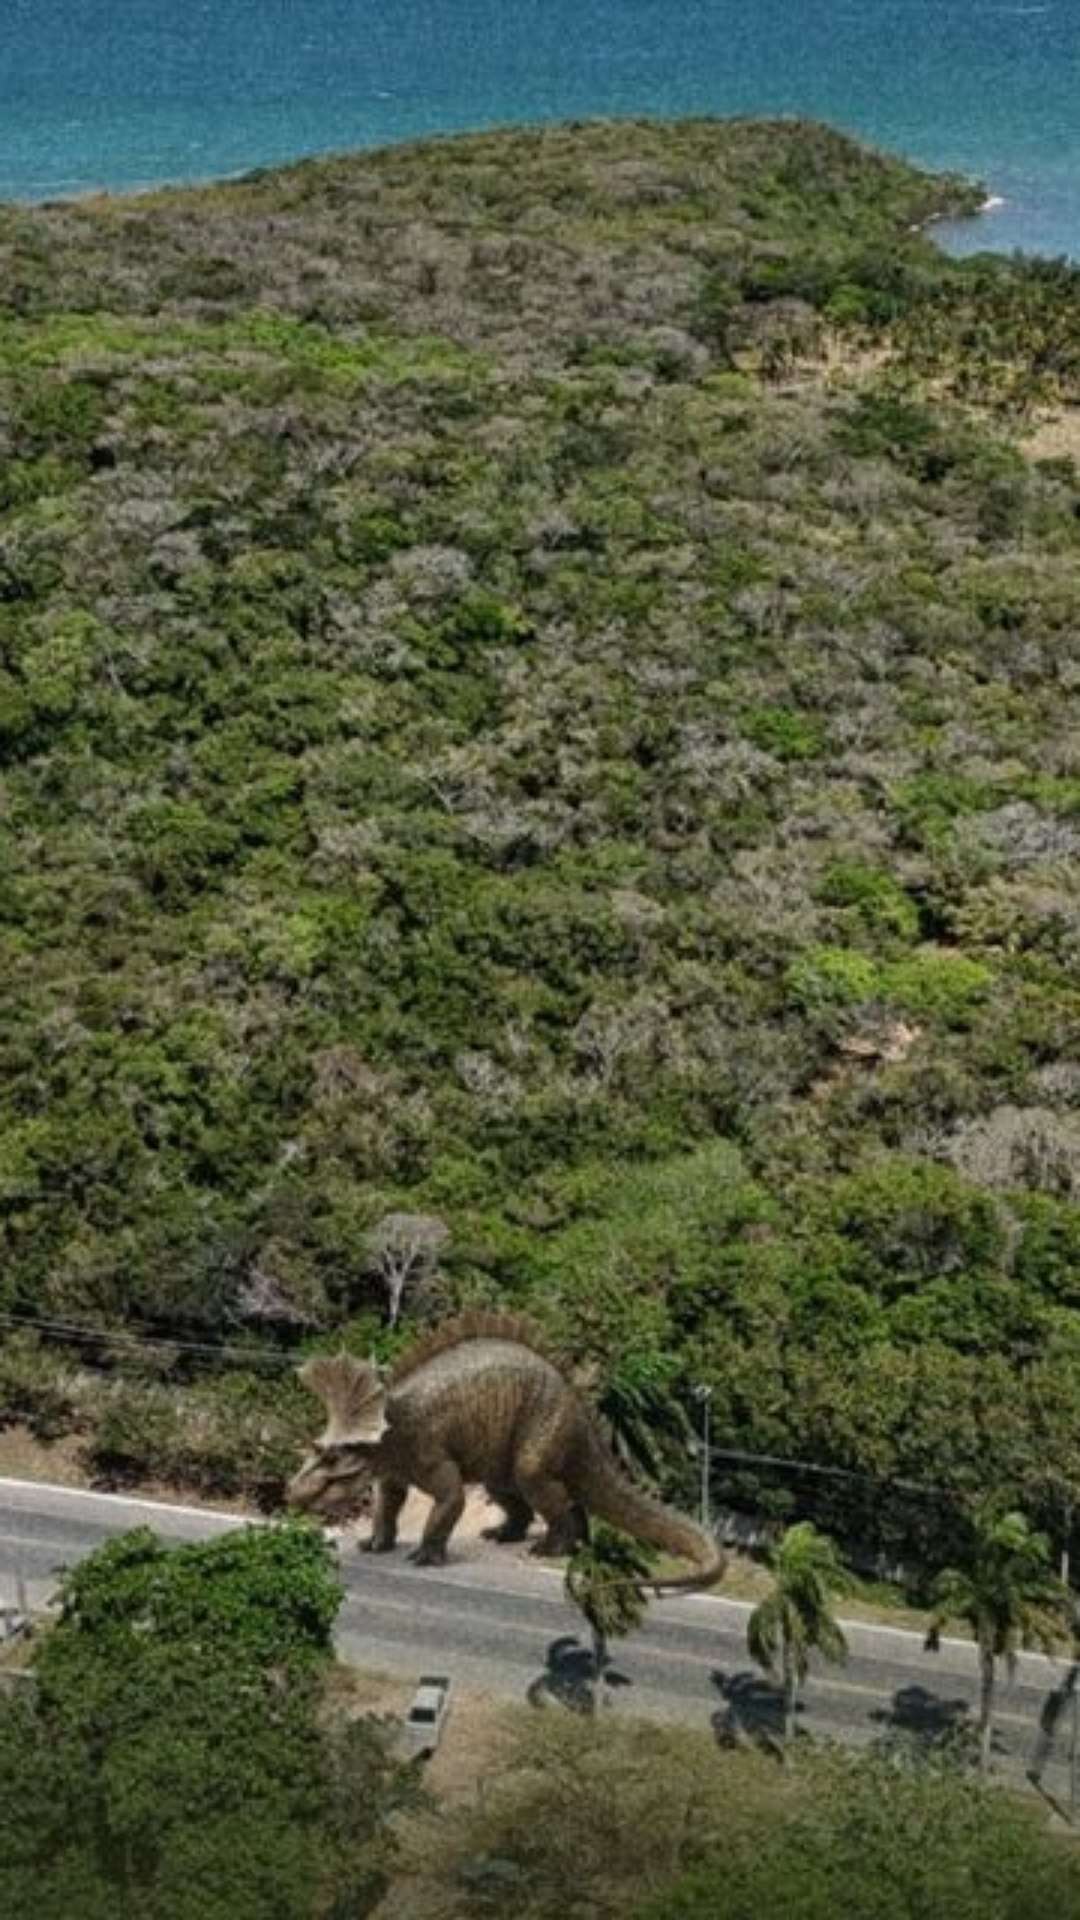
x=1054, y=437
x=24, y=1457
x=573, y=1816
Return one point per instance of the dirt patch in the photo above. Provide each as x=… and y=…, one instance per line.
x=1056, y=437
x=360, y=1690
x=476, y=1730
x=22, y=1457
x=478, y=1514
x=62, y=1463
x=16, y=1655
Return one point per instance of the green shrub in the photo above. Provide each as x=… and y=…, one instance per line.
x=789, y=734
x=37, y=1387
x=831, y=977
x=135, y=1433
x=57, y=414
x=874, y=1839
x=938, y=983
x=883, y=421
x=874, y=895
x=180, y=847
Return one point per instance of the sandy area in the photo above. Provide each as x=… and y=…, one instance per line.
x=479, y=1513
x=24, y=1458
x=1054, y=437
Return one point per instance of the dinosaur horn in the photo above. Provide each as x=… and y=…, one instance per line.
x=352, y=1394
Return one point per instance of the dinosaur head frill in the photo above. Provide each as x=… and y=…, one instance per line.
x=334, y=1479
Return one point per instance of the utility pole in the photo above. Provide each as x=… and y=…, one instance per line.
x=1075, y=1719
x=705, y=1394
x=1073, y=1750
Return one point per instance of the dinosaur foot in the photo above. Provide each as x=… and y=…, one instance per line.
x=375, y=1545
x=503, y=1534
x=428, y=1556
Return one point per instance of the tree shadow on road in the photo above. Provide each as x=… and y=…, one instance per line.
x=1054, y=1739
x=570, y=1678
x=925, y=1720
x=752, y=1711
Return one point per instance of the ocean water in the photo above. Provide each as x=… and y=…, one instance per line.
x=125, y=93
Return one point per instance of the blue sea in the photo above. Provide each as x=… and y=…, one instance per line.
x=125, y=93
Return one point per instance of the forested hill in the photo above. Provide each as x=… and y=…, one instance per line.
x=540, y=694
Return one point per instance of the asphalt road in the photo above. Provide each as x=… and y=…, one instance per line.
x=499, y=1621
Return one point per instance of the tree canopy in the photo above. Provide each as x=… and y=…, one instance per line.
x=874, y=1841
x=175, y=1756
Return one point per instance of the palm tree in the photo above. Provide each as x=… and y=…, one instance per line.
x=648, y=1427
x=1010, y=1597
x=797, y=1617
x=604, y=1580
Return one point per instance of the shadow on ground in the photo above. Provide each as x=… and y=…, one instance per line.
x=752, y=1710
x=570, y=1678
x=1058, y=1738
x=925, y=1719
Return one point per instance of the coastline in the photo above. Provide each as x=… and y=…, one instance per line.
x=205, y=182
x=991, y=203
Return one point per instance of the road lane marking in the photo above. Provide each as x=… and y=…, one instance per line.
x=133, y=1500
x=429, y=1582
x=424, y=1604
x=639, y=1648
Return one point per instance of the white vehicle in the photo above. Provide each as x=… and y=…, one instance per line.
x=426, y=1717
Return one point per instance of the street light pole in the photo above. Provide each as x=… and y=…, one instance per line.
x=704, y=1394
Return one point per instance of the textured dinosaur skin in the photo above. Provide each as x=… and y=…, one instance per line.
x=479, y=1402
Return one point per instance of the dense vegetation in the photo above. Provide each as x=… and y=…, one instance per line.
x=183, y=1748
x=537, y=696
x=653, y=1822
x=177, y=1756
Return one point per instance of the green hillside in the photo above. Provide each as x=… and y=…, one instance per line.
x=538, y=690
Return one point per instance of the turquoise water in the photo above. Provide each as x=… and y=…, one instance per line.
x=122, y=93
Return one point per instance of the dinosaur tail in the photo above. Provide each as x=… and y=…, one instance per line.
x=610, y=1496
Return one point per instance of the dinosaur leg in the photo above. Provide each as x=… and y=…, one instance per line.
x=389, y=1499
x=517, y=1511
x=444, y=1483
x=564, y=1517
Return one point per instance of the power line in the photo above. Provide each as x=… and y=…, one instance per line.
x=832, y=1473
x=100, y=1336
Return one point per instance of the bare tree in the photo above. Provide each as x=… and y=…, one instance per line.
x=1017, y=1146
x=403, y=1252
x=261, y=1297
x=279, y=1287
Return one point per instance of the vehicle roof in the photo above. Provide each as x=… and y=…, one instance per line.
x=428, y=1694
